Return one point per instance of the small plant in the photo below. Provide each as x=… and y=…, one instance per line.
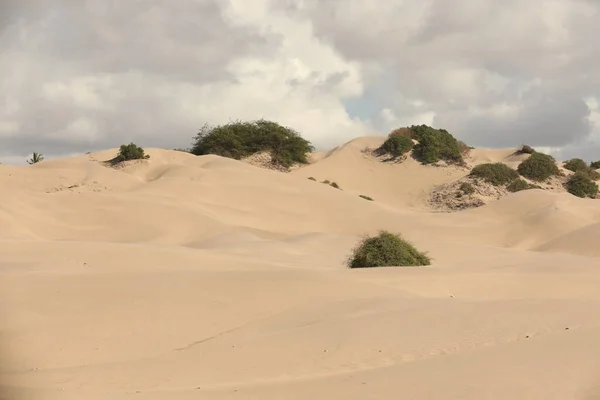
x=311, y=178
x=396, y=146
x=538, y=167
x=580, y=185
x=467, y=188
x=183, y=150
x=520, y=184
x=335, y=185
x=35, y=158
x=525, y=149
x=365, y=197
x=595, y=165
x=386, y=250
x=495, y=173
x=326, y=181
x=131, y=152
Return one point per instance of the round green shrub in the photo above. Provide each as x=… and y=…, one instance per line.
x=396, y=145
x=435, y=145
x=520, y=184
x=595, y=165
x=386, y=250
x=576, y=164
x=580, y=185
x=242, y=139
x=131, y=152
x=538, y=167
x=495, y=173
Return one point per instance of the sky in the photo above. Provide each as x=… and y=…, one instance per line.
x=85, y=75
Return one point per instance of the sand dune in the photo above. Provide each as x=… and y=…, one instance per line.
x=184, y=277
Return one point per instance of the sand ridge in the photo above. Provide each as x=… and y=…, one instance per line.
x=185, y=277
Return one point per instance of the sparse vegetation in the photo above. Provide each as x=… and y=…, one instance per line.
x=386, y=250
x=538, y=167
x=396, y=145
x=595, y=165
x=241, y=139
x=495, y=173
x=525, y=149
x=520, y=184
x=335, y=185
x=366, y=197
x=436, y=145
x=35, y=158
x=467, y=188
x=580, y=185
x=311, y=178
x=326, y=181
x=183, y=150
x=131, y=151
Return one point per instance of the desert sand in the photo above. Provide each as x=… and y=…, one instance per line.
x=184, y=277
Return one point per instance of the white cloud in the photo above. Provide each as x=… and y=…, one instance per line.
x=79, y=76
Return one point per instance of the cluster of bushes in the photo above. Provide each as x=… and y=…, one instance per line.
x=578, y=165
x=499, y=174
x=433, y=145
x=242, y=139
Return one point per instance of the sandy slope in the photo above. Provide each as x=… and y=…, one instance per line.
x=187, y=277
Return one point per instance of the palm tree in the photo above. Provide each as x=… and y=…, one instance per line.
x=36, y=158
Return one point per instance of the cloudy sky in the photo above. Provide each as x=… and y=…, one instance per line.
x=83, y=75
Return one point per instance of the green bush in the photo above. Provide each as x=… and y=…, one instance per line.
x=335, y=185
x=436, y=145
x=365, y=197
x=396, y=146
x=580, y=185
x=242, y=139
x=311, y=178
x=386, y=250
x=520, y=184
x=131, y=152
x=525, y=149
x=595, y=165
x=467, y=188
x=576, y=164
x=538, y=167
x=495, y=173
